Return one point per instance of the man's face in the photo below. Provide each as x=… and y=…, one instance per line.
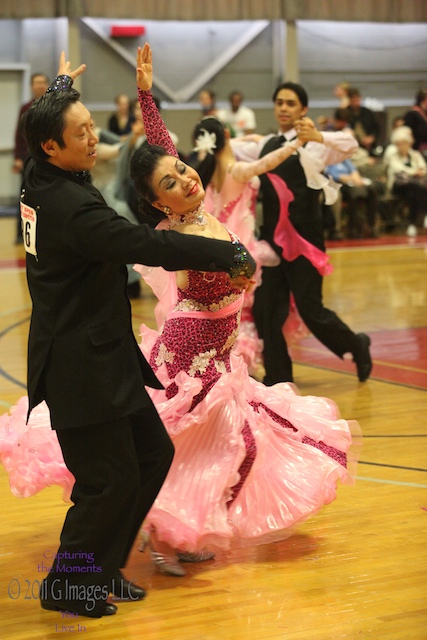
x=39, y=86
x=355, y=101
x=288, y=109
x=235, y=101
x=80, y=141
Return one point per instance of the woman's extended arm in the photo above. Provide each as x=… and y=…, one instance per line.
x=155, y=128
x=244, y=171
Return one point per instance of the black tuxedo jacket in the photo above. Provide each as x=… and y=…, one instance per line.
x=83, y=358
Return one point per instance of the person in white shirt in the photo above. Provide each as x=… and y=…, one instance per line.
x=301, y=268
x=239, y=118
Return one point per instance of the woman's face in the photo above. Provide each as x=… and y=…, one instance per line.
x=122, y=104
x=403, y=147
x=205, y=99
x=177, y=185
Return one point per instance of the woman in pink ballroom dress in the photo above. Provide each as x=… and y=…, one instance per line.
x=251, y=462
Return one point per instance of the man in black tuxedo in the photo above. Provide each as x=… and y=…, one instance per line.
x=83, y=359
x=302, y=174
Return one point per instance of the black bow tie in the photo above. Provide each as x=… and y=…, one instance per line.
x=281, y=139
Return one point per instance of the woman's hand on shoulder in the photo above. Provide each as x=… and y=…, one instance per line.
x=144, y=67
x=64, y=68
x=241, y=282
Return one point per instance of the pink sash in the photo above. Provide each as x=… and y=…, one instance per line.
x=288, y=238
x=226, y=311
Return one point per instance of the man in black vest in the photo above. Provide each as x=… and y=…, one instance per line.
x=83, y=359
x=299, y=276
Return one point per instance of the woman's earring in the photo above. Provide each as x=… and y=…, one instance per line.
x=166, y=210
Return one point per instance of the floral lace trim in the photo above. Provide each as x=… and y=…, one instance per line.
x=192, y=305
x=220, y=366
x=201, y=362
x=164, y=355
x=230, y=340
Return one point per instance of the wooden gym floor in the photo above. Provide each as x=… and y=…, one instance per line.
x=357, y=570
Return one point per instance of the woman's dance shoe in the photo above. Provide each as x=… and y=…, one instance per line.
x=199, y=556
x=164, y=563
x=167, y=564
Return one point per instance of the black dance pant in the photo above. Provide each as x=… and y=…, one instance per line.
x=415, y=196
x=119, y=469
x=271, y=308
x=357, y=196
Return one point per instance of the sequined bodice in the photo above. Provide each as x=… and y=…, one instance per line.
x=206, y=292
x=199, y=345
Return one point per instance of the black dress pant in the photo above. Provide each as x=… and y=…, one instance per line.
x=271, y=308
x=119, y=469
x=415, y=196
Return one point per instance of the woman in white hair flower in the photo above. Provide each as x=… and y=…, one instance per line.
x=205, y=141
x=231, y=194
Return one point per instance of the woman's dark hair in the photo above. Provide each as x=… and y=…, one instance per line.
x=296, y=88
x=207, y=166
x=142, y=166
x=45, y=120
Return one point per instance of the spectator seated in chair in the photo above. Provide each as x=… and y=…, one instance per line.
x=359, y=196
x=407, y=177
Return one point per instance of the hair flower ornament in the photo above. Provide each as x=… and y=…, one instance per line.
x=205, y=142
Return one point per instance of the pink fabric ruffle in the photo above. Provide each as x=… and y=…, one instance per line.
x=288, y=238
x=30, y=453
x=289, y=481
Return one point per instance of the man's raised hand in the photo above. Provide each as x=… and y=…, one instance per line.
x=64, y=68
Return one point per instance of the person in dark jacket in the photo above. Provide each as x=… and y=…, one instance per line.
x=363, y=121
x=83, y=359
x=416, y=120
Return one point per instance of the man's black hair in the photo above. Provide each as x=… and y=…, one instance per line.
x=296, y=88
x=45, y=120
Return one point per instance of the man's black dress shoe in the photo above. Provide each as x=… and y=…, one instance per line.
x=106, y=609
x=362, y=357
x=125, y=591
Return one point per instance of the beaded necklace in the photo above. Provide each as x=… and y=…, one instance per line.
x=192, y=217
